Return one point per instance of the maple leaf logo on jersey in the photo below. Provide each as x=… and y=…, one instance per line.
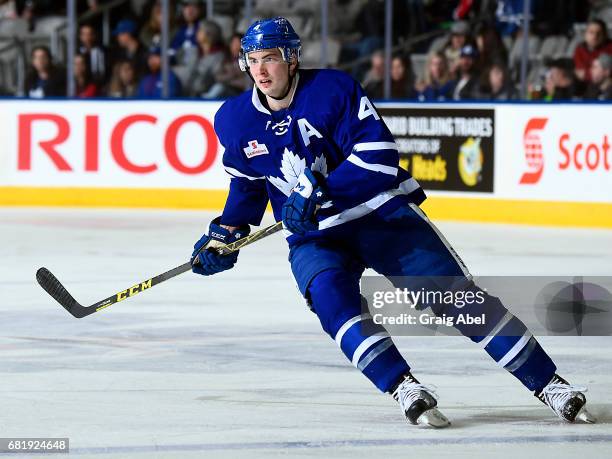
x=292, y=167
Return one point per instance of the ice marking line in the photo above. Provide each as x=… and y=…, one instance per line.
x=339, y=443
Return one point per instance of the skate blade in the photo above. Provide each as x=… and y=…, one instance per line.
x=584, y=416
x=433, y=418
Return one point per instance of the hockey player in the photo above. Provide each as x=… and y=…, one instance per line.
x=312, y=143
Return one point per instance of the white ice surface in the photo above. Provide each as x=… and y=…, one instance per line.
x=235, y=366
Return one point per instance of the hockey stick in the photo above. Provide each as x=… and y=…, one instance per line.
x=59, y=293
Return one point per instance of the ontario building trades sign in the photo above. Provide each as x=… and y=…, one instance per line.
x=443, y=148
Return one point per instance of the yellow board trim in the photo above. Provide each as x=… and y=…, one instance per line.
x=157, y=198
x=542, y=213
x=547, y=213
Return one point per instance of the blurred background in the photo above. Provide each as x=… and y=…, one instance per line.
x=110, y=170
x=428, y=50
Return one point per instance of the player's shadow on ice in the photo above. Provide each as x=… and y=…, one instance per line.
x=540, y=416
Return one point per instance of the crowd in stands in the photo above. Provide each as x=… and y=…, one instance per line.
x=475, y=56
x=477, y=59
x=131, y=67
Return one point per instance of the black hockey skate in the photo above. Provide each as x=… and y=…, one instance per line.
x=567, y=401
x=418, y=403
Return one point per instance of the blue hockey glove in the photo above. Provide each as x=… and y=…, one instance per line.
x=302, y=204
x=205, y=260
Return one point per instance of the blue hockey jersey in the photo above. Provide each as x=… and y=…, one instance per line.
x=330, y=127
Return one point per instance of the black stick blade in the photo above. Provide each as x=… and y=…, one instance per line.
x=55, y=288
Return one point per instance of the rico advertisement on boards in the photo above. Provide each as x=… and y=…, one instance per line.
x=101, y=144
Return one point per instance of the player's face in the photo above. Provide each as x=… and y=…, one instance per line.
x=270, y=71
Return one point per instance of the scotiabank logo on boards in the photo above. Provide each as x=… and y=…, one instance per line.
x=91, y=145
x=534, y=153
x=576, y=152
x=584, y=156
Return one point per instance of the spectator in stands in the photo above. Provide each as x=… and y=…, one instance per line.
x=370, y=25
x=374, y=79
x=150, y=86
x=230, y=81
x=509, y=14
x=234, y=45
x=212, y=55
x=437, y=84
x=559, y=83
x=130, y=47
x=467, y=86
x=85, y=6
x=8, y=9
x=600, y=87
x=93, y=52
x=490, y=46
x=123, y=83
x=31, y=10
x=40, y=8
x=402, y=78
x=498, y=85
x=150, y=34
x=459, y=37
x=185, y=43
x=44, y=79
x=85, y=84
x=596, y=42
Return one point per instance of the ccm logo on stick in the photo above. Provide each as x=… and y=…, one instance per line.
x=27, y=123
x=133, y=290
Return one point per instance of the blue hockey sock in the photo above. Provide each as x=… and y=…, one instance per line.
x=508, y=341
x=514, y=348
x=336, y=300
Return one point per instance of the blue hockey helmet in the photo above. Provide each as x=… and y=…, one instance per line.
x=267, y=34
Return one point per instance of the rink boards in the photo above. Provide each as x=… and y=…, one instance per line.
x=547, y=164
